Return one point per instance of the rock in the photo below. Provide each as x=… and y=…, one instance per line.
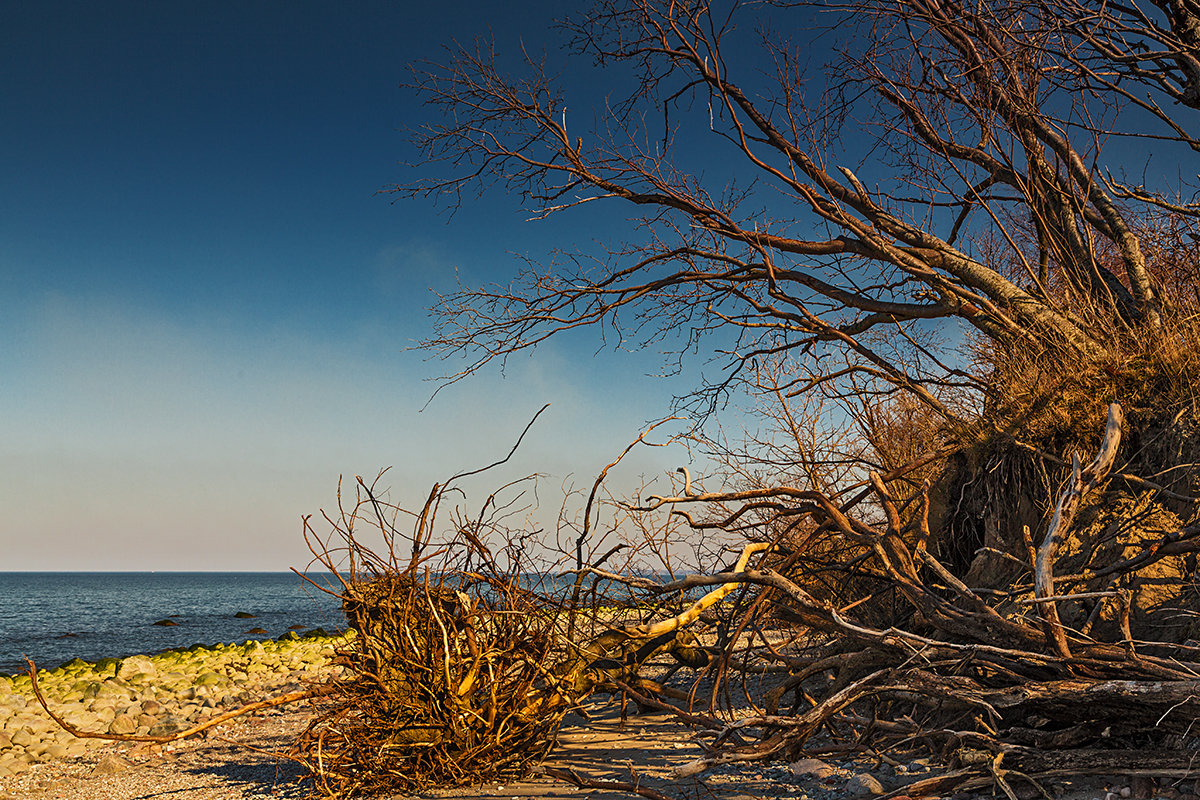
x=122, y=725
x=166, y=623
x=1141, y=787
x=863, y=784
x=110, y=765
x=811, y=767
x=151, y=707
x=136, y=665
x=21, y=738
x=112, y=692
x=257, y=632
x=167, y=727
x=244, y=615
x=107, y=665
x=104, y=713
x=1125, y=792
x=147, y=720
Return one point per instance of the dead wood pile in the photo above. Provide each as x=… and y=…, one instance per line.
x=465, y=663
x=1052, y=672
x=464, y=669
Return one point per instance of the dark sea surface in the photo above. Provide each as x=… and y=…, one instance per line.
x=53, y=617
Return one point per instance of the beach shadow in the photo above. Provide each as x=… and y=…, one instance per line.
x=244, y=772
x=641, y=749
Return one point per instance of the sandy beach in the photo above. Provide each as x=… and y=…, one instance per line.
x=233, y=763
x=246, y=758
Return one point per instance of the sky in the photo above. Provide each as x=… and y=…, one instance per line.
x=208, y=307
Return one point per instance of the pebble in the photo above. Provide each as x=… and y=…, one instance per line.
x=157, y=695
x=110, y=765
x=863, y=783
x=811, y=768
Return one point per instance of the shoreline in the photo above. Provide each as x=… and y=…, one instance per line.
x=155, y=695
x=244, y=759
x=298, y=632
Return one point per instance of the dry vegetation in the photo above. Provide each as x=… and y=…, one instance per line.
x=972, y=347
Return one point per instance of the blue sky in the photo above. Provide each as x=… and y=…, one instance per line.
x=206, y=304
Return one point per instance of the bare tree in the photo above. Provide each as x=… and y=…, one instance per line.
x=982, y=201
x=932, y=234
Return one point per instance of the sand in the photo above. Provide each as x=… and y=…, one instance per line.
x=242, y=759
x=233, y=764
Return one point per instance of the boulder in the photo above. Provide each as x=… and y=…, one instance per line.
x=122, y=725
x=134, y=666
x=110, y=765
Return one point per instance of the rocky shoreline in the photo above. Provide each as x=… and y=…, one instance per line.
x=154, y=695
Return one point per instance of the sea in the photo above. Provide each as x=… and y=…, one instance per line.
x=54, y=617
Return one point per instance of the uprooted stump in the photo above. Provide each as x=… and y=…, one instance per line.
x=468, y=684
x=450, y=686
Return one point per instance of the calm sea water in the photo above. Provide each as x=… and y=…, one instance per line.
x=54, y=617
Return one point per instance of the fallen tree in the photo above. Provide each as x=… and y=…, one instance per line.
x=466, y=664
x=925, y=270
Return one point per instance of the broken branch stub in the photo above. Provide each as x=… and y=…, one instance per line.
x=1082, y=481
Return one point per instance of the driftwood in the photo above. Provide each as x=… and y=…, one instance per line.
x=1082, y=481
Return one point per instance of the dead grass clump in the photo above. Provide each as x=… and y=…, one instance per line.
x=1055, y=399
